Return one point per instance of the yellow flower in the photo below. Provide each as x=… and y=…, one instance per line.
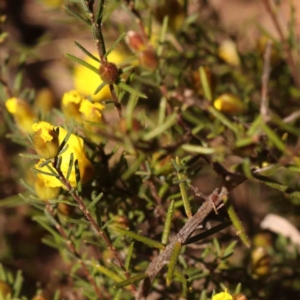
x=75, y=146
x=45, y=139
x=87, y=81
x=91, y=113
x=70, y=105
x=22, y=112
x=43, y=191
x=222, y=296
x=228, y=52
x=229, y=103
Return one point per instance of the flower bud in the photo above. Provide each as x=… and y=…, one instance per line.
x=41, y=297
x=174, y=10
x=263, y=239
x=107, y=257
x=135, y=41
x=161, y=163
x=45, y=140
x=45, y=192
x=228, y=52
x=44, y=100
x=148, y=59
x=109, y=72
x=70, y=105
x=229, y=103
x=5, y=289
x=260, y=262
x=120, y=221
x=239, y=297
x=22, y=112
x=87, y=81
x=65, y=209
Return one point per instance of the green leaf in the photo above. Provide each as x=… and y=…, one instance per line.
x=162, y=37
x=208, y=232
x=105, y=271
x=197, y=149
x=182, y=178
x=95, y=201
x=41, y=220
x=82, y=62
x=119, y=39
x=75, y=221
x=18, y=80
x=133, y=167
x=18, y=284
x=217, y=246
x=173, y=263
x=236, y=222
x=129, y=256
x=70, y=166
x=87, y=52
x=50, y=242
x=162, y=128
x=132, y=280
x=205, y=84
x=12, y=201
x=100, y=87
x=273, y=137
x=78, y=16
x=140, y=238
x=78, y=177
x=168, y=223
x=224, y=120
x=238, y=288
x=294, y=194
x=30, y=156
x=99, y=12
x=229, y=249
x=131, y=90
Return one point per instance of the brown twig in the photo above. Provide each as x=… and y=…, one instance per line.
x=216, y=198
x=100, y=43
x=286, y=48
x=264, y=107
x=92, y=221
x=73, y=250
x=115, y=100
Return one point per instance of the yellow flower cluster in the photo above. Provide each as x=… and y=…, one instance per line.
x=83, y=111
x=75, y=146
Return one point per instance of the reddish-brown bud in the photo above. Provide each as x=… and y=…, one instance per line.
x=148, y=59
x=65, y=209
x=239, y=297
x=109, y=72
x=135, y=41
